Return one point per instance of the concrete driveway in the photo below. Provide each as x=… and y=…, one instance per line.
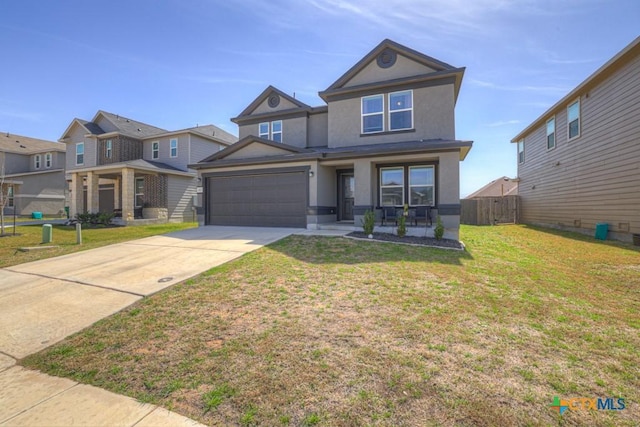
x=44, y=301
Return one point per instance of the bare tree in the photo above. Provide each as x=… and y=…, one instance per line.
x=4, y=192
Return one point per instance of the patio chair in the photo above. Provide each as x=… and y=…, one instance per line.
x=423, y=213
x=389, y=213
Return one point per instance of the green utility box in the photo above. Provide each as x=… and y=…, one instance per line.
x=36, y=215
x=47, y=233
x=602, y=228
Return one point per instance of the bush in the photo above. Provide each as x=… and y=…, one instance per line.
x=369, y=222
x=438, y=232
x=402, y=221
x=98, y=218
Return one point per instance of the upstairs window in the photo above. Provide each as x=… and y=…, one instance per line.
x=401, y=110
x=372, y=114
x=155, y=150
x=573, y=119
x=47, y=160
x=108, y=148
x=36, y=161
x=173, y=148
x=80, y=153
x=551, y=133
x=392, y=186
x=521, y=151
x=271, y=130
x=421, y=185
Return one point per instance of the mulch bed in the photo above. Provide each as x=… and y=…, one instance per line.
x=411, y=240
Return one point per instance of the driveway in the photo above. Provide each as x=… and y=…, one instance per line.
x=44, y=301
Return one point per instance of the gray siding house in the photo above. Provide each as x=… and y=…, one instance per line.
x=137, y=170
x=33, y=175
x=384, y=138
x=578, y=162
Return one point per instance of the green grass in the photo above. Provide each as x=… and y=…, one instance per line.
x=65, y=239
x=331, y=331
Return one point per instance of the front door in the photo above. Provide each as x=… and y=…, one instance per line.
x=347, y=195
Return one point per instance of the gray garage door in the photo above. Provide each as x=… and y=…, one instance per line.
x=258, y=199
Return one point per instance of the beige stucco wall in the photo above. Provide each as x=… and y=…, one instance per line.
x=318, y=130
x=404, y=67
x=294, y=131
x=284, y=104
x=254, y=150
x=433, y=118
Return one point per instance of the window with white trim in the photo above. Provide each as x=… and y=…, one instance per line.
x=551, y=133
x=573, y=119
x=108, y=146
x=47, y=160
x=80, y=153
x=521, y=151
x=392, y=186
x=173, y=148
x=139, y=192
x=373, y=114
x=155, y=150
x=271, y=130
x=421, y=186
x=10, y=197
x=401, y=110
x=36, y=161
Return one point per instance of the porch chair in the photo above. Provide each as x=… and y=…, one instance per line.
x=423, y=213
x=389, y=213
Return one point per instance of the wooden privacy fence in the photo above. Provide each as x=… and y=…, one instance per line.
x=490, y=210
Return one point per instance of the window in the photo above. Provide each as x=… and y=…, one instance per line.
x=392, y=186
x=10, y=197
x=108, y=148
x=36, y=161
x=421, y=185
x=551, y=133
x=521, y=151
x=139, y=192
x=173, y=148
x=573, y=119
x=47, y=160
x=80, y=153
x=276, y=131
x=401, y=110
x=263, y=131
x=372, y=114
x=155, y=150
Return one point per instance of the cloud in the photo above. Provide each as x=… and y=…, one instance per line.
x=22, y=115
x=522, y=88
x=503, y=123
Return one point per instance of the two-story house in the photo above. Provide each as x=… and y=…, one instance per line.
x=141, y=171
x=386, y=137
x=578, y=162
x=32, y=175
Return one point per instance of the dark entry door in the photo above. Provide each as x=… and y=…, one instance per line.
x=347, y=196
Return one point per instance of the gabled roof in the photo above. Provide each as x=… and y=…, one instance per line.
x=10, y=143
x=442, y=69
x=129, y=127
x=503, y=186
x=266, y=94
x=139, y=164
x=631, y=51
x=214, y=131
x=253, y=140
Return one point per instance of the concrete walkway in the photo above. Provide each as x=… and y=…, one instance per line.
x=44, y=301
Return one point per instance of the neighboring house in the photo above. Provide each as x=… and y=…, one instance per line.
x=33, y=175
x=116, y=164
x=386, y=137
x=503, y=186
x=578, y=162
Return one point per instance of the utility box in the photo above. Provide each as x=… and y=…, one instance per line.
x=602, y=228
x=47, y=233
x=36, y=215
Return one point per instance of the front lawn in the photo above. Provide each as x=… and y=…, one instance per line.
x=332, y=331
x=65, y=238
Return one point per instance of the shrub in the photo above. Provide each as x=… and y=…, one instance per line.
x=402, y=221
x=105, y=217
x=369, y=222
x=438, y=232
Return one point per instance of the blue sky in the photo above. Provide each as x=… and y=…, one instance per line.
x=178, y=63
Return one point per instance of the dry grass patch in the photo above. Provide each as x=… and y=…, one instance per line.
x=331, y=331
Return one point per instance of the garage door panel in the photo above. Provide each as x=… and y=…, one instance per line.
x=267, y=199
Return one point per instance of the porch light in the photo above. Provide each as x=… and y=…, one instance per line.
x=311, y=174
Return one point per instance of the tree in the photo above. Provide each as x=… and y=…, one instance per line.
x=5, y=192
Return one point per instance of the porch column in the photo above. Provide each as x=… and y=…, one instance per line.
x=93, y=201
x=75, y=196
x=364, y=183
x=116, y=193
x=128, y=193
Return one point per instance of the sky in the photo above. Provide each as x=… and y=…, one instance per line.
x=179, y=63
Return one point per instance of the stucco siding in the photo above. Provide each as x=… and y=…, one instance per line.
x=284, y=104
x=318, y=130
x=180, y=198
x=15, y=163
x=256, y=150
x=595, y=177
x=404, y=67
x=294, y=131
x=433, y=118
